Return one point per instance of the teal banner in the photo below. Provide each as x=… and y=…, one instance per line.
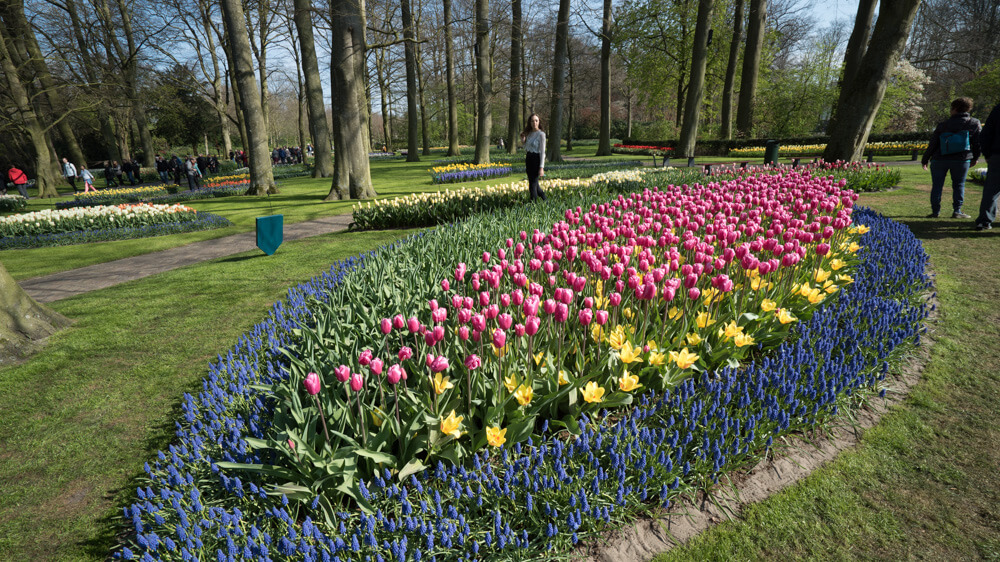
x=270, y=232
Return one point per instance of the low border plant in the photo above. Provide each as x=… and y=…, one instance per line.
x=11, y=203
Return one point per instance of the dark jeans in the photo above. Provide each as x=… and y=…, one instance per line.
x=940, y=169
x=165, y=176
x=131, y=177
x=72, y=182
x=23, y=189
x=991, y=192
x=193, y=183
x=533, y=163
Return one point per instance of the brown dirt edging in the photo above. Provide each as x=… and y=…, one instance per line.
x=650, y=536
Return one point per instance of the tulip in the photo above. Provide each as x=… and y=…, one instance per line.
x=473, y=362
x=486, y=257
x=505, y=320
x=484, y=298
x=398, y=322
x=343, y=373
x=312, y=383
x=450, y=425
x=445, y=285
x=499, y=338
x=519, y=330
x=694, y=293
x=460, y=272
x=366, y=357
x=440, y=363
x=413, y=325
x=549, y=306
x=463, y=333
x=531, y=325
x=404, y=353
x=601, y=317
x=593, y=393
x=394, y=374
x=586, y=316
x=386, y=326
x=439, y=315
x=496, y=436
x=376, y=366
x=357, y=381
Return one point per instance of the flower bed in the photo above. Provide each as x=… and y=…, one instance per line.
x=12, y=203
x=114, y=196
x=860, y=176
x=93, y=224
x=519, y=501
x=642, y=149
x=384, y=156
x=874, y=148
x=453, y=173
x=978, y=176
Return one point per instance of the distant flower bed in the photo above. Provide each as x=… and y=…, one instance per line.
x=865, y=177
x=574, y=169
x=224, y=186
x=384, y=156
x=114, y=196
x=453, y=173
x=236, y=179
x=642, y=149
x=12, y=203
x=93, y=224
x=875, y=148
x=978, y=176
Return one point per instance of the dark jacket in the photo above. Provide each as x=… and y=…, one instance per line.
x=954, y=124
x=162, y=165
x=988, y=137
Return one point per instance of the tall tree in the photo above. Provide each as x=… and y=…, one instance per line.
x=130, y=69
x=696, y=84
x=604, y=135
x=46, y=175
x=514, y=109
x=351, y=174
x=409, y=54
x=726, y=130
x=261, y=174
x=449, y=57
x=558, y=83
x=323, y=164
x=484, y=82
x=859, y=101
x=855, y=51
x=751, y=67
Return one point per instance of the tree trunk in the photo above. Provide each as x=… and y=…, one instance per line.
x=751, y=67
x=89, y=64
x=569, y=120
x=859, y=102
x=412, y=117
x=21, y=27
x=383, y=88
x=24, y=323
x=425, y=136
x=855, y=49
x=263, y=31
x=514, y=110
x=351, y=174
x=131, y=71
x=604, y=135
x=558, y=83
x=484, y=82
x=726, y=131
x=303, y=109
x=696, y=84
x=449, y=57
x=628, y=112
x=261, y=174
x=46, y=176
x=318, y=131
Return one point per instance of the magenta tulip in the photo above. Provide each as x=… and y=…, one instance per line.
x=405, y=353
x=343, y=373
x=394, y=374
x=312, y=383
x=386, y=326
x=357, y=381
x=472, y=362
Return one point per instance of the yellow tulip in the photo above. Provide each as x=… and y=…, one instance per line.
x=628, y=382
x=511, y=383
x=836, y=263
x=684, y=358
x=816, y=296
x=692, y=338
x=731, y=330
x=450, y=425
x=495, y=436
x=617, y=339
x=629, y=355
x=538, y=357
x=524, y=395
x=593, y=393
x=845, y=279
x=821, y=275
x=442, y=384
x=743, y=340
x=703, y=320
x=674, y=313
x=597, y=332
x=767, y=305
x=657, y=359
x=562, y=378
x=785, y=317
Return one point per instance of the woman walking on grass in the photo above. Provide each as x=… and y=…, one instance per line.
x=533, y=138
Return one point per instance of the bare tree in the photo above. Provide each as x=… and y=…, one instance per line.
x=751, y=67
x=449, y=54
x=726, y=130
x=604, y=136
x=412, y=125
x=558, y=83
x=696, y=84
x=514, y=107
x=484, y=82
x=323, y=163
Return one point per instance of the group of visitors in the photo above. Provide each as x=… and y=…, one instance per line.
x=955, y=146
x=286, y=155
x=115, y=174
x=240, y=157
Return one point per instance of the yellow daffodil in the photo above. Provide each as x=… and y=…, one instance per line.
x=767, y=305
x=684, y=358
x=495, y=436
x=511, y=383
x=442, y=384
x=657, y=359
x=692, y=338
x=821, y=275
x=524, y=395
x=837, y=263
x=593, y=393
x=562, y=378
x=743, y=340
x=450, y=425
x=703, y=320
x=628, y=382
x=630, y=355
x=785, y=317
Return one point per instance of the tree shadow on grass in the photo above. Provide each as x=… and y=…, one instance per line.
x=939, y=229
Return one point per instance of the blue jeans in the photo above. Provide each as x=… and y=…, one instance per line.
x=165, y=176
x=940, y=169
x=991, y=192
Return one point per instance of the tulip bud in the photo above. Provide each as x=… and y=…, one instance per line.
x=531, y=325
x=519, y=330
x=357, y=381
x=376, y=366
x=395, y=373
x=398, y=322
x=463, y=333
x=343, y=373
x=499, y=338
x=404, y=353
x=505, y=320
x=386, y=326
x=366, y=357
x=472, y=362
x=694, y=293
x=413, y=325
x=312, y=383
x=586, y=316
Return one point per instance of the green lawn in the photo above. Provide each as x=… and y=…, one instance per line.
x=78, y=421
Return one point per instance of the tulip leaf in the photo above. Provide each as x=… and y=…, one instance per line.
x=412, y=467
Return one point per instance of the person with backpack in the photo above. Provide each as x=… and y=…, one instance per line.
x=953, y=148
x=990, y=145
x=19, y=179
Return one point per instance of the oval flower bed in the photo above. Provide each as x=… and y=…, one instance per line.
x=864, y=177
x=12, y=203
x=253, y=474
x=879, y=148
x=100, y=223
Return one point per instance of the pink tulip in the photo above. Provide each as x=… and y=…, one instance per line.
x=463, y=332
x=439, y=315
x=357, y=381
x=531, y=325
x=823, y=249
x=343, y=373
x=615, y=299
x=519, y=330
x=505, y=320
x=601, y=317
x=366, y=357
x=439, y=364
x=460, y=272
x=405, y=353
x=562, y=313
x=499, y=338
x=429, y=338
x=472, y=362
x=479, y=322
x=376, y=366
x=445, y=285
x=398, y=322
x=394, y=374
x=549, y=306
x=484, y=298
x=586, y=316
x=486, y=257
x=694, y=293
x=413, y=325
x=438, y=332
x=312, y=383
